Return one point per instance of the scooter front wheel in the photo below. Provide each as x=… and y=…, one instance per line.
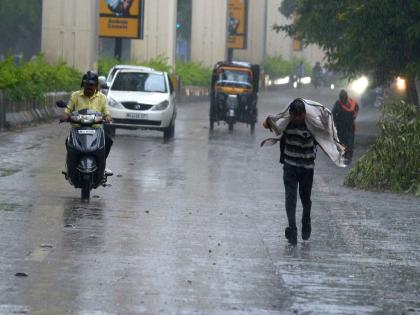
x=85, y=193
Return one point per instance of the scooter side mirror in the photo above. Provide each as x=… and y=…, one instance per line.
x=102, y=83
x=61, y=104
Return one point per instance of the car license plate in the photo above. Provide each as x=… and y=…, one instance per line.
x=136, y=116
x=85, y=132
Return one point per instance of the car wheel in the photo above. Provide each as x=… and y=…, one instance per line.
x=169, y=132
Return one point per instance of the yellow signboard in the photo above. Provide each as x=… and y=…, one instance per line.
x=237, y=24
x=121, y=18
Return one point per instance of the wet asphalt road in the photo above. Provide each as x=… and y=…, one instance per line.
x=196, y=225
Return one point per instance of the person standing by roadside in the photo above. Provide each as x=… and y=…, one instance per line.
x=344, y=112
x=299, y=133
x=300, y=72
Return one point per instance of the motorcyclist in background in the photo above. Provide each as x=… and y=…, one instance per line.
x=317, y=74
x=89, y=97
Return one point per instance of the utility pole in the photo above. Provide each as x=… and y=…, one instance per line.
x=265, y=29
x=230, y=54
x=2, y=111
x=118, y=48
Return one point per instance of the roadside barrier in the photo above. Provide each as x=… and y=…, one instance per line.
x=190, y=94
x=15, y=114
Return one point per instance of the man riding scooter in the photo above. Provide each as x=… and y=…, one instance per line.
x=89, y=97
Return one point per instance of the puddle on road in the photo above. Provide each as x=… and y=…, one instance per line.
x=8, y=171
x=13, y=309
x=10, y=207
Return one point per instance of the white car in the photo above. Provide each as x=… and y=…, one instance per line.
x=141, y=98
x=111, y=73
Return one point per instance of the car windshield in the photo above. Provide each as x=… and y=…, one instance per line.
x=234, y=76
x=139, y=82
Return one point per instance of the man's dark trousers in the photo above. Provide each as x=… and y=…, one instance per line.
x=293, y=177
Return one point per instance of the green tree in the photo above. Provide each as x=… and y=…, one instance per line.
x=20, y=30
x=381, y=37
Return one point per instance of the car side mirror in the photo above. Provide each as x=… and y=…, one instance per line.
x=61, y=104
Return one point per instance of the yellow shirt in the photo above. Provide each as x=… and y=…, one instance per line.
x=79, y=101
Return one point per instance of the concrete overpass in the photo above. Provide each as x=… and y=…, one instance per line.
x=70, y=32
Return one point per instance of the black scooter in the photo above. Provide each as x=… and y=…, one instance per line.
x=85, y=167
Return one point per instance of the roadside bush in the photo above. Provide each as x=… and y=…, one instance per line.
x=7, y=73
x=276, y=67
x=30, y=80
x=160, y=63
x=106, y=63
x=193, y=73
x=393, y=162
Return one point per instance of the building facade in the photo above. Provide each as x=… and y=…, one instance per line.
x=159, y=32
x=70, y=32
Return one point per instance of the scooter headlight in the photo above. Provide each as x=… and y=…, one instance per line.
x=87, y=119
x=115, y=104
x=161, y=106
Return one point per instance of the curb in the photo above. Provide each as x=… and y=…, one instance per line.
x=26, y=118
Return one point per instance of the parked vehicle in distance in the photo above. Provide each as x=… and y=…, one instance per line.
x=141, y=98
x=234, y=93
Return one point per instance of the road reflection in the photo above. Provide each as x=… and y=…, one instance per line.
x=83, y=224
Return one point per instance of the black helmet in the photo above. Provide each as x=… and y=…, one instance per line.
x=89, y=77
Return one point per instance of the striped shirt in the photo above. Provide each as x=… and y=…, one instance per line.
x=298, y=146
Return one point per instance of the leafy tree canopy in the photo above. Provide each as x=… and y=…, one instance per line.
x=20, y=29
x=381, y=37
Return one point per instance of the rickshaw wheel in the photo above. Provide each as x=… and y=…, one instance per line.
x=230, y=126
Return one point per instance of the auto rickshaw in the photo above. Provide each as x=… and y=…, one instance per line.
x=234, y=93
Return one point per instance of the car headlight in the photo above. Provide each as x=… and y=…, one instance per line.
x=113, y=103
x=359, y=86
x=161, y=106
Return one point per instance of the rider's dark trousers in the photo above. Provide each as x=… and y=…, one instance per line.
x=294, y=178
x=108, y=144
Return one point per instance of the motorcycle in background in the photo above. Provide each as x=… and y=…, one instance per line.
x=372, y=97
